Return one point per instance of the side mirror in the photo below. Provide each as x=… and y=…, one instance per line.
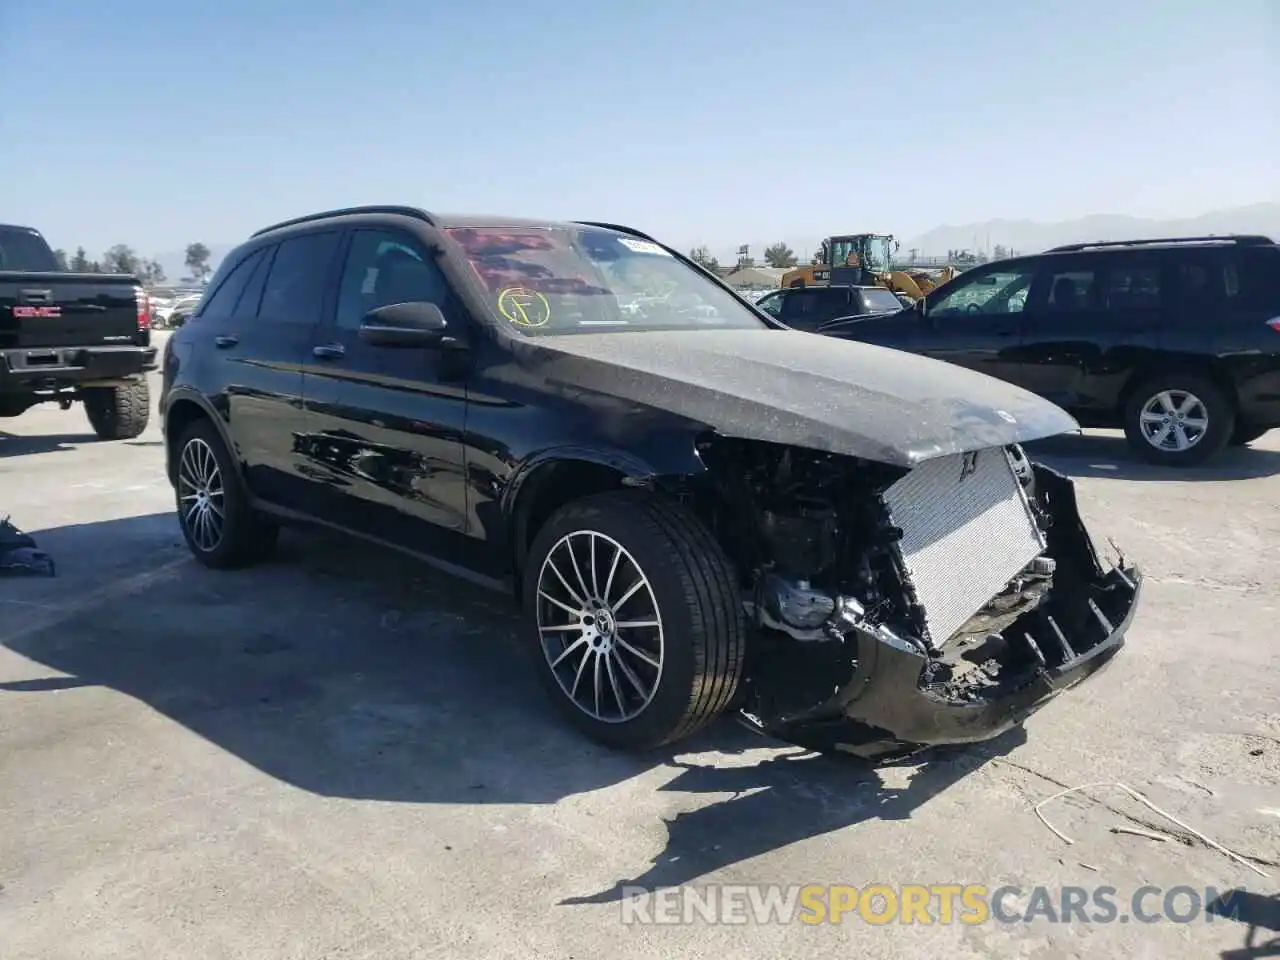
x=919, y=306
x=412, y=324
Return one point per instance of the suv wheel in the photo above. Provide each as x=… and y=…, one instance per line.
x=638, y=622
x=220, y=527
x=118, y=413
x=1178, y=419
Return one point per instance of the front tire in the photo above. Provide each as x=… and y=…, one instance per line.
x=1178, y=419
x=221, y=528
x=638, y=628
x=119, y=413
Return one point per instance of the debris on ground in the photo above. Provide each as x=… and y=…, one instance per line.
x=1149, y=805
x=1138, y=832
x=19, y=554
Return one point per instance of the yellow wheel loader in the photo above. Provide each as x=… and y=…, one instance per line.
x=864, y=259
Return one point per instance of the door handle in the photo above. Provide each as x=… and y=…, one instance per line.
x=226, y=340
x=329, y=351
x=35, y=296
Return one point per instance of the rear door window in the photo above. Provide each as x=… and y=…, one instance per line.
x=226, y=295
x=300, y=274
x=1198, y=280
x=771, y=303
x=1071, y=291
x=1132, y=285
x=802, y=309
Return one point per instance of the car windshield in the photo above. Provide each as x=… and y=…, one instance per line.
x=568, y=279
x=879, y=300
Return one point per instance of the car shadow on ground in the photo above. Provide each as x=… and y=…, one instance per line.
x=353, y=672
x=1259, y=913
x=1109, y=458
x=356, y=673
x=14, y=445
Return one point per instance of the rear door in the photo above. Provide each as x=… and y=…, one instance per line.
x=385, y=424
x=259, y=325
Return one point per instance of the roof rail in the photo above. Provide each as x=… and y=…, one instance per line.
x=415, y=212
x=1242, y=239
x=615, y=226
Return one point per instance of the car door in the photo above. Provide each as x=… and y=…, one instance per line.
x=259, y=347
x=973, y=322
x=385, y=423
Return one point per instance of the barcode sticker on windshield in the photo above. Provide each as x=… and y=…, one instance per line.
x=643, y=246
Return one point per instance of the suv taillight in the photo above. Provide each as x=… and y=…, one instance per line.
x=144, y=309
x=1274, y=324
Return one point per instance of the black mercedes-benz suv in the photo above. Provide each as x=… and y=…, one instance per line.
x=699, y=509
x=1177, y=341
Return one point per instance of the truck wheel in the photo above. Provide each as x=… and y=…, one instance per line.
x=638, y=623
x=14, y=406
x=1243, y=435
x=118, y=413
x=220, y=526
x=1178, y=419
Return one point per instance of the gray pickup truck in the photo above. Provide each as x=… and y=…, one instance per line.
x=67, y=337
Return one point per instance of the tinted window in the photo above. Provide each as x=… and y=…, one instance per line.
x=1252, y=279
x=806, y=309
x=23, y=249
x=880, y=301
x=1070, y=291
x=985, y=294
x=294, y=291
x=771, y=303
x=247, y=305
x=387, y=267
x=1133, y=286
x=227, y=292
x=1196, y=283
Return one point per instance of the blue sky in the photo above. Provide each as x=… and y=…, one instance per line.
x=159, y=123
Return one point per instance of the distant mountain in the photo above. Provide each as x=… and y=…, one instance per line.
x=1028, y=236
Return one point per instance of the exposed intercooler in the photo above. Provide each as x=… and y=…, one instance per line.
x=967, y=530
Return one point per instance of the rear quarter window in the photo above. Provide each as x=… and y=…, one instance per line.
x=1251, y=279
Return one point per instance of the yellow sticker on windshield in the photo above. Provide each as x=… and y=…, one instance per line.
x=524, y=307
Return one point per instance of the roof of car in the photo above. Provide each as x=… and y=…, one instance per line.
x=442, y=220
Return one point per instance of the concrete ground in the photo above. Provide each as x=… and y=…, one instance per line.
x=342, y=754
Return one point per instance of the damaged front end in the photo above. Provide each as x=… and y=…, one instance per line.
x=897, y=609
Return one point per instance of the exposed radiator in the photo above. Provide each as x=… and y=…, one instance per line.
x=966, y=532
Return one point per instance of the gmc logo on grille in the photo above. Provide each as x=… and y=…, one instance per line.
x=968, y=466
x=37, y=313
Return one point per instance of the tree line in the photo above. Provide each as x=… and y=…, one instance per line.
x=775, y=255
x=122, y=258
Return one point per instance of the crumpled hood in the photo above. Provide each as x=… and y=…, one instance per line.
x=784, y=386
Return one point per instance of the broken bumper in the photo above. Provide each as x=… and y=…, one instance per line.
x=894, y=696
x=888, y=708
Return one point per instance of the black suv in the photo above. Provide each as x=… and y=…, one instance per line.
x=699, y=509
x=1177, y=341
x=808, y=308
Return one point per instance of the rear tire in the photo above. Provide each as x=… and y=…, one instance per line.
x=118, y=413
x=1243, y=435
x=662, y=641
x=221, y=528
x=1151, y=414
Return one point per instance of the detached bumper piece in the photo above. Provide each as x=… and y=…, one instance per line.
x=883, y=693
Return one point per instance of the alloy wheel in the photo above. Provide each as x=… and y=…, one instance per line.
x=600, y=627
x=201, y=495
x=1174, y=420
